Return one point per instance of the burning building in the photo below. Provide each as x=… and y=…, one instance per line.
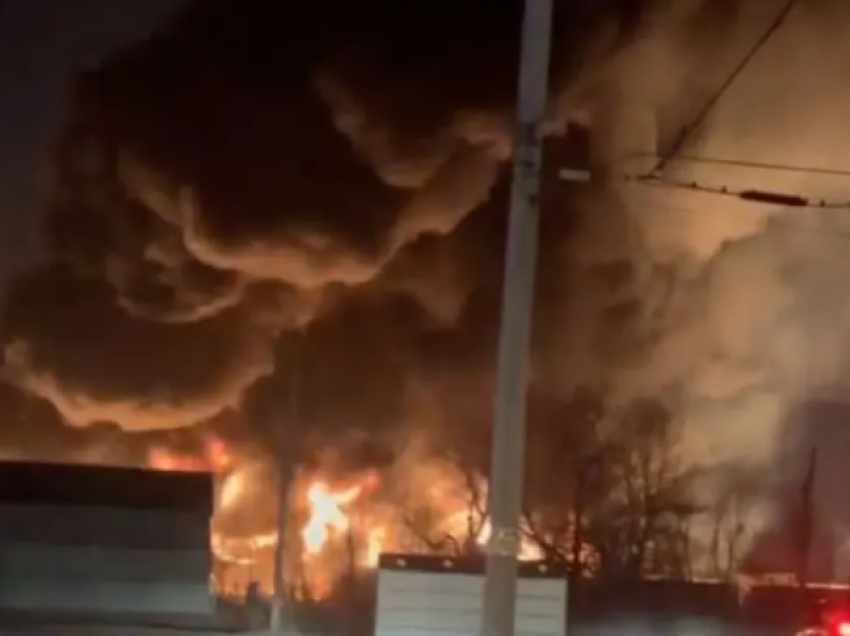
x=338, y=524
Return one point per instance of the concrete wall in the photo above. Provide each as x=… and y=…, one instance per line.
x=37, y=577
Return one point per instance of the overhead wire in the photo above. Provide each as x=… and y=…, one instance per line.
x=749, y=195
x=688, y=130
x=749, y=164
x=655, y=176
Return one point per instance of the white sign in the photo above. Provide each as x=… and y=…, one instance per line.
x=437, y=596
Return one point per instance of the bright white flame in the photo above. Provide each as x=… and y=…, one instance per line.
x=232, y=489
x=326, y=515
x=374, y=546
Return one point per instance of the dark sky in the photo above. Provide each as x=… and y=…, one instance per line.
x=42, y=42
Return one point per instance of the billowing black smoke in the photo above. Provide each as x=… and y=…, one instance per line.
x=245, y=173
x=314, y=197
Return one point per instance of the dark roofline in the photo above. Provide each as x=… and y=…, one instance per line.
x=86, y=485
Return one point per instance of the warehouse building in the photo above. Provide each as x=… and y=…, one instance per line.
x=105, y=544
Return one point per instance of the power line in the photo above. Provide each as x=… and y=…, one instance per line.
x=747, y=195
x=685, y=133
x=750, y=195
x=755, y=165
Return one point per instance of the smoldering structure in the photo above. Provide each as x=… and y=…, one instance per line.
x=315, y=197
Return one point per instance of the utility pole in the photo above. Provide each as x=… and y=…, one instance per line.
x=508, y=452
x=280, y=618
x=805, y=520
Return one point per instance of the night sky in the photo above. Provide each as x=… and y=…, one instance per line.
x=42, y=42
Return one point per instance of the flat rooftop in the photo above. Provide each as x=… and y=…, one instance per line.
x=87, y=485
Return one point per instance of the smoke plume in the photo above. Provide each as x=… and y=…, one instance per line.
x=251, y=200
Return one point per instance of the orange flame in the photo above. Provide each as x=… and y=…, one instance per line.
x=215, y=458
x=376, y=539
x=343, y=526
x=160, y=458
x=217, y=454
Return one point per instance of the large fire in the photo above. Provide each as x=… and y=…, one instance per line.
x=337, y=527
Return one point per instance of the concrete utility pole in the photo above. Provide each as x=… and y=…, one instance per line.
x=280, y=618
x=508, y=453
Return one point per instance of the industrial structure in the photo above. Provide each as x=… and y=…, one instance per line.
x=98, y=544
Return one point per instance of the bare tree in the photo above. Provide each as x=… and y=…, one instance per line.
x=739, y=492
x=477, y=511
x=562, y=458
x=425, y=524
x=642, y=525
x=605, y=492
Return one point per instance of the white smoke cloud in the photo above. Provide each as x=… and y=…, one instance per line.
x=758, y=321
